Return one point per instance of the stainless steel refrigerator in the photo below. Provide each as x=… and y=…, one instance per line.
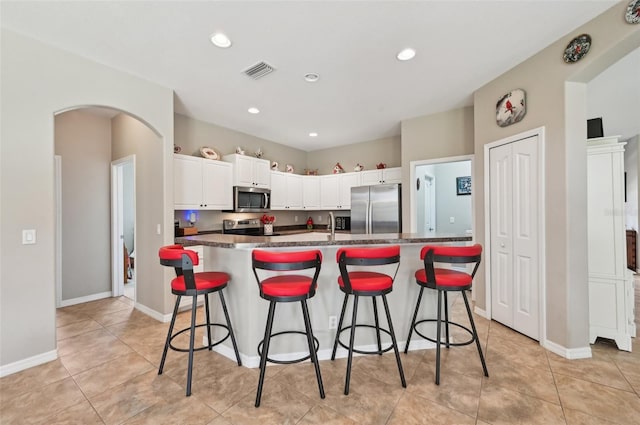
x=376, y=209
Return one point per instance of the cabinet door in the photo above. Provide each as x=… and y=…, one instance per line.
x=346, y=182
x=261, y=173
x=392, y=175
x=244, y=171
x=310, y=192
x=294, y=191
x=278, y=190
x=187, y=182
x=217, y=185
x=371, y=177
x=329, y=194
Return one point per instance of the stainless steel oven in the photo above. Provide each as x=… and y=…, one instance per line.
x=251, y=199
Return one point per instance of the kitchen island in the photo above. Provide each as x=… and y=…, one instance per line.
x=232, y=254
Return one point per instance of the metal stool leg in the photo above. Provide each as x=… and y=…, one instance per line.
x=475, y=334
x=233, y=337
x=438, y=335
x=206, y=312
x=265, y=350
x=413, y=322
x=312, y=348
x=375, y=316
x=351, y=341
x=446, y=318
x=335, y=342
x=393, y=341
x=191, y=342
x=166, y=344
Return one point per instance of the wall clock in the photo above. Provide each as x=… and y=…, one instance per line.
x=577, y=48
x=511, y=108
x=633, y=12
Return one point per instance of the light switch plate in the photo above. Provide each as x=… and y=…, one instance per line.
x=452, y=220
x=28, y=236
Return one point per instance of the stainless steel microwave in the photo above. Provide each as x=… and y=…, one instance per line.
x=251, y=199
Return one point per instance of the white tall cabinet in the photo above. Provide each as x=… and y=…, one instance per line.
x=611, y=305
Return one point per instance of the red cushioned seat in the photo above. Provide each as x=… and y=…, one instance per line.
x=277, y=285
x=446, y=281
x=204, y=280
x=192, y=285
x=363, y=283
x=286, y=286
x=446, y=277
x=368, y=281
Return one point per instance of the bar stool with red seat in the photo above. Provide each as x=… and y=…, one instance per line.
x=445, y=281
x=190, y=284
x=287, y=287
x=366, y=284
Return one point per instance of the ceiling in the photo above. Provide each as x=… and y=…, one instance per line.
x=363, y=92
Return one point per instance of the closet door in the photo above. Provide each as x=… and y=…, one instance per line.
x=514, y=235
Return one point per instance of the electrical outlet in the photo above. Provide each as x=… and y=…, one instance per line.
x=452, y=220
x=333, y=322
x=319, y=219
x=295, y=218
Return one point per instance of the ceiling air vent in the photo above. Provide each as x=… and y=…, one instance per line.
x=259, y=70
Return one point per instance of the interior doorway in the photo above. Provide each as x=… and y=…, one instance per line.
x=436, y=203
x=123, y=225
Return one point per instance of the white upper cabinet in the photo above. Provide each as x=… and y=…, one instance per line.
x=383, y=176
x=200, y=183
x=250, y=171
x=286, y=191
x=311, y=192
x=335, y=190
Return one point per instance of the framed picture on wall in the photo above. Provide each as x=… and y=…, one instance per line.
x=463, y=185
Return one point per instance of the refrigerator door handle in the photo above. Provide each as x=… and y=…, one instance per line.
x=369, y=218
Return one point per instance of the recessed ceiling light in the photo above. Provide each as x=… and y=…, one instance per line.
x=406, y=54
x=253, y=110
x=220, y=40
x=313, y=134
x=311, y=77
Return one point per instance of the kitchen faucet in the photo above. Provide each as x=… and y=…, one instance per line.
x=332, y=223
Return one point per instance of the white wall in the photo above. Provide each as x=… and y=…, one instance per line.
x=83, y=141
x=37, y=82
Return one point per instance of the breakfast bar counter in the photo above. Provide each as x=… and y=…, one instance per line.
x=232, y=254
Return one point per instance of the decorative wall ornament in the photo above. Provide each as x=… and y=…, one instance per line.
x=632, y=14
x=274, y=166
x=209, y=153
x=511, y=108
x=463, y=185
x=577, y=48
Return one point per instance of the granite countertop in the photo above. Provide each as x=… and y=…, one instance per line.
x=315, y=238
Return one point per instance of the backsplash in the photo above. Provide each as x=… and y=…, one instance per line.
x=212, y=220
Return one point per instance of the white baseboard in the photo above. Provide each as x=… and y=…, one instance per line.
x=28, y=362
x=324, y=354
x=164, y=318
x=80, y=300
x=568, y=353
x=480, y=312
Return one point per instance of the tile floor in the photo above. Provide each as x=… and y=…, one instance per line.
x=109, y=354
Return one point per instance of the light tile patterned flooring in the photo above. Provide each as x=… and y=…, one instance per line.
x=109, y=354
